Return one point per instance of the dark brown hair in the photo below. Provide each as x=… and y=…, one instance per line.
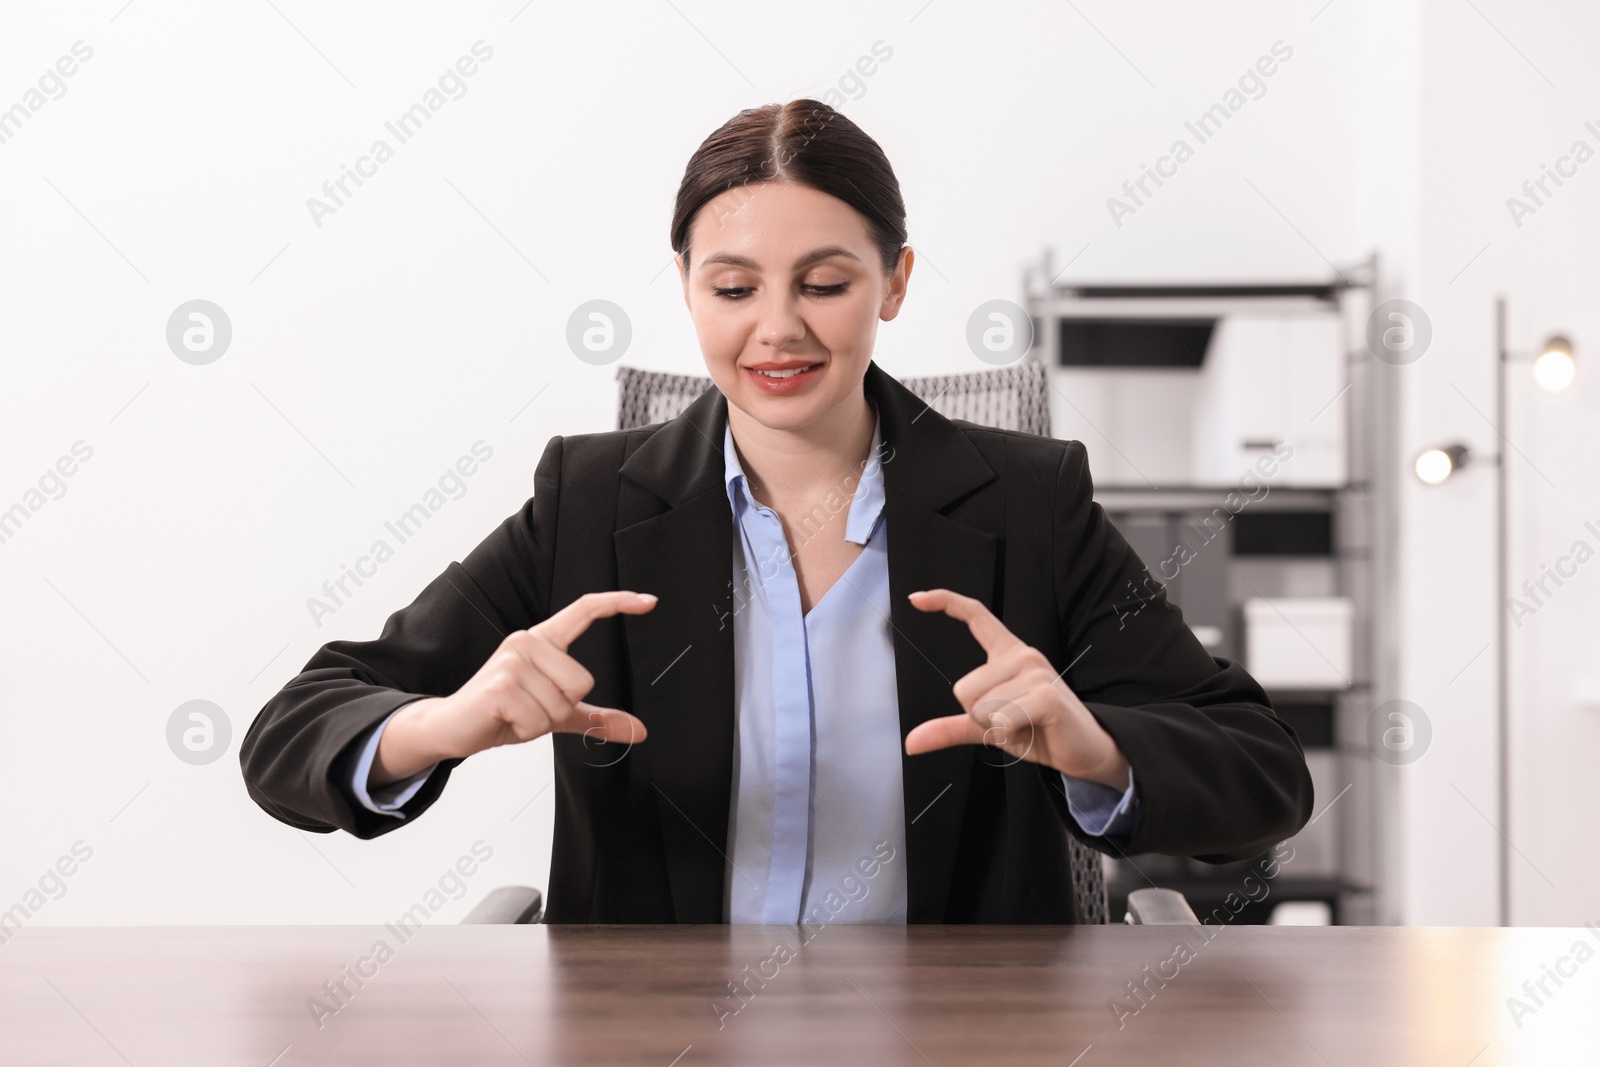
x=804, y=141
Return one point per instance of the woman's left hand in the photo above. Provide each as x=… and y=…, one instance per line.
x=1018, y=703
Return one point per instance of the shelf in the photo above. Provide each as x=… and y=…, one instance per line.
x=1327, y=291
x=1335, y=548
x=1206, y=497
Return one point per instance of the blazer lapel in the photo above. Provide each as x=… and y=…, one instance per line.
x=678, y=544
x=929, y=465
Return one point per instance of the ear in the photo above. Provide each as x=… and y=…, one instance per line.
x=683, y=276
x=898, y=282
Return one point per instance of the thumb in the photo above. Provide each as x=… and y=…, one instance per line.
x=944, y=732
x=604, y=724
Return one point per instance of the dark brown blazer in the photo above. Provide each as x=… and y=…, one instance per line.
x=640, y=832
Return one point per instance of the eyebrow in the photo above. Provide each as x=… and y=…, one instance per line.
x=826, y=252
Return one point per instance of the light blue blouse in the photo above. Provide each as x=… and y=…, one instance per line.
x=816, y=785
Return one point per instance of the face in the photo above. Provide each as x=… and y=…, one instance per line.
x=783, y=274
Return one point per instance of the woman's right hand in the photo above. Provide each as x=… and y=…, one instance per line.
x=529, y=687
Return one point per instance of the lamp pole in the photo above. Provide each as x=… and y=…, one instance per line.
x=1502, y=598
x=1553, y=370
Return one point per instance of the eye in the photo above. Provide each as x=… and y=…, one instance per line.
x=740, y=292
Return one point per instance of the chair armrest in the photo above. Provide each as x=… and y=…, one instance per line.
x=509, y=905
x=1159, y=907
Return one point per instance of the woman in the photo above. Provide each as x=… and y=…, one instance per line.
x=809, y=650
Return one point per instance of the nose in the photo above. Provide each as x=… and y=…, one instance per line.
x=781, y=325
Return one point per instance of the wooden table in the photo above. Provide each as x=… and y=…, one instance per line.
x=659, y=995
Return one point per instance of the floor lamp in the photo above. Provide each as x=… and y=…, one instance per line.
x=1554, y=368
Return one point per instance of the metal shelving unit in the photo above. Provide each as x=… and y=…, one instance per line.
x=1321, y=540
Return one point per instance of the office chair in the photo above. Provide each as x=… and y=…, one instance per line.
x=1011, y=398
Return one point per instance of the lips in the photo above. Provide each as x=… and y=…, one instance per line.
x=790, y=376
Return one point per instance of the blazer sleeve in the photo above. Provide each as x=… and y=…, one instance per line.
x=298, y=752
x=1219, y=776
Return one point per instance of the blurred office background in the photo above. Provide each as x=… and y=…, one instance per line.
x=1342, y=155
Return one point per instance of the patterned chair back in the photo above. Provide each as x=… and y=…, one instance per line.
x=1011, y=398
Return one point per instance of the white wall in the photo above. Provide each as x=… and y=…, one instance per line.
x=1490, y=118
x=372, y=351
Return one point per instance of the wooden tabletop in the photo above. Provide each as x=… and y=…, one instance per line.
x=659, y=995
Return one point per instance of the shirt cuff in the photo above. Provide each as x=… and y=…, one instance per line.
x=1099, y=809
x=388, y=799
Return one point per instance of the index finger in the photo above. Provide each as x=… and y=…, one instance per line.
x=564, y=627
x=990, y=631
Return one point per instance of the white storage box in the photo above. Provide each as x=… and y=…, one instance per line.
x=1298, y=642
